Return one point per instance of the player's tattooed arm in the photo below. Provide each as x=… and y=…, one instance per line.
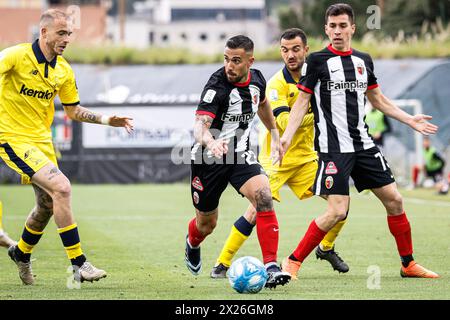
x=201, y=129
x=203, y=136
x=82, y=114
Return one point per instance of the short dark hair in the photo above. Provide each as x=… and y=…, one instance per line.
x=293, y=33
x=340, y=8
x=240, y=42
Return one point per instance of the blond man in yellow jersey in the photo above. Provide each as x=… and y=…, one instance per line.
x=31, y=76
x=299, y=166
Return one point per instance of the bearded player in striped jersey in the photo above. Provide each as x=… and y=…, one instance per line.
x=221, y=155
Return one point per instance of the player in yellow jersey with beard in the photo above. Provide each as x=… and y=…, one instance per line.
x=299, y=166
x=31, y=76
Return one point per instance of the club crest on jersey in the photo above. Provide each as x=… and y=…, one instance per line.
x=329, y=181
x=196, y=197
x=360, y=68
x=197, y=184
x=331, y=168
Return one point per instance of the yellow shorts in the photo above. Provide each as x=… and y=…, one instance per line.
x=300, y=179
x=27, y=158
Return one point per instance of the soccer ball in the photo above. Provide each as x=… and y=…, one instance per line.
x=247, y=275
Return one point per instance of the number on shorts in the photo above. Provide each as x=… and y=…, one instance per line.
x=379, y=155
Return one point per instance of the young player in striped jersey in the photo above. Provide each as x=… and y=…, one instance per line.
x=299, y=163
x=337, y=81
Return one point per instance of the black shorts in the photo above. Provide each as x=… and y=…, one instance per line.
x=368, y=169
x=208, y=181
x=437, y=175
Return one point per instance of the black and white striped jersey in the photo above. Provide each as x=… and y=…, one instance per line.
x=338, y=82
x=233, y=107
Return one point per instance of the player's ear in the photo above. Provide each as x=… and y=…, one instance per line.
x=306, y=49
x=251, y=59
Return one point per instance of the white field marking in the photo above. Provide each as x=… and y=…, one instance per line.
x=425, y=202
x=435, y=203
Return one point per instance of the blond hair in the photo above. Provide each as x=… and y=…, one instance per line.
x=49, y=16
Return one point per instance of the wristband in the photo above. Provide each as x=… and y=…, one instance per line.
x=104, y=120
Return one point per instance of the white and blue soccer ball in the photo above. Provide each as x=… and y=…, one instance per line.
x=247, y=275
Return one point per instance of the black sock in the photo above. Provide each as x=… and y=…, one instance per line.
x=78, y=261
x=24, y=257
x=406, y=260
x=293, y=258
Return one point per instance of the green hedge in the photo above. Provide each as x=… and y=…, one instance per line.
x=386, y=48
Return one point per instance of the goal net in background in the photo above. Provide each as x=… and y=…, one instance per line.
x=403, y=146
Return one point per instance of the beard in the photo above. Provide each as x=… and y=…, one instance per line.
x=297, y=68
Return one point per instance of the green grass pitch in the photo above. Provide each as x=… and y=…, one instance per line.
x=137, y=234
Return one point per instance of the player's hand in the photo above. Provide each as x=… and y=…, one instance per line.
x=419, y=123
x=218, y=147
x=125, y=122
x=276, y=150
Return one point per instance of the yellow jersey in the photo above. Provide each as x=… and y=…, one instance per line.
x=282, y=92
x=28, y=87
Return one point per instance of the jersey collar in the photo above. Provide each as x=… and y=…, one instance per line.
x=287, y=76
x=340, y=53
x=40, y=56
x=246, y=83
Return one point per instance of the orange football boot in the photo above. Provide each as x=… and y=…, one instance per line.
x=415, y=270
x=291, y=266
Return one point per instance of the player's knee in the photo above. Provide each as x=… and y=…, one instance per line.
x=341, y=215
x=62, y=190
x=395, y=203
x=337, y=212
x=207, y=227
x=263, y=199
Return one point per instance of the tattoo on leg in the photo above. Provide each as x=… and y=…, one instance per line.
x=41, y=214
x=53, y=173
x=264, y=199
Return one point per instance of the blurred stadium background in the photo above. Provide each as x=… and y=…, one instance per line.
x=150, y=59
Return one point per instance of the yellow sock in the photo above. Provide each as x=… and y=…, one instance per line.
x=240, y=232
x=328, y=242
x=71, y=241
x=29, y=239
x=235, y=240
